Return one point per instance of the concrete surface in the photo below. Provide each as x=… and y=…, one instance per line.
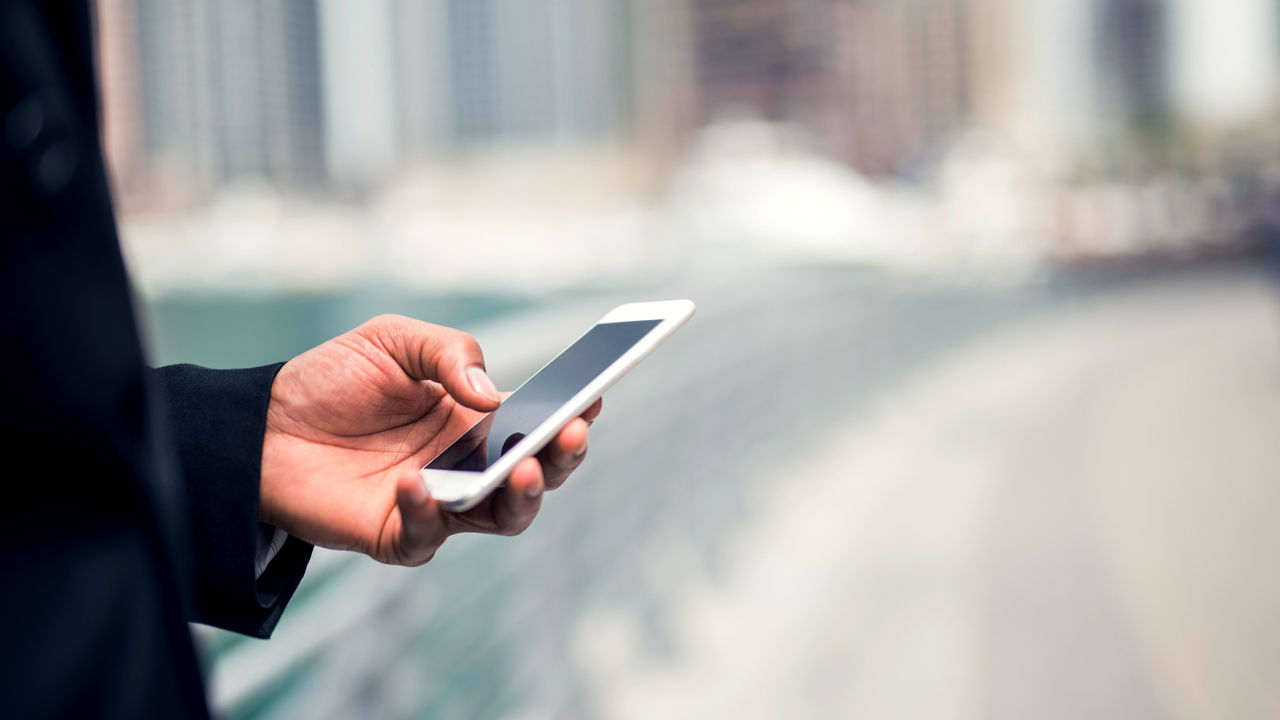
x=1072, y=517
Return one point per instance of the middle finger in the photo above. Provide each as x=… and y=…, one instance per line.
x=564, y=453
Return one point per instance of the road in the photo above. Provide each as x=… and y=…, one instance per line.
x=1073, y=516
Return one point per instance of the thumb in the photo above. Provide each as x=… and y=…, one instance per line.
x=433, y=352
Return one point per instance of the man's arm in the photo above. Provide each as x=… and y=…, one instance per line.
x=216, y=420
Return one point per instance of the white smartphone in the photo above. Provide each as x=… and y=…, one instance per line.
x=479, y=461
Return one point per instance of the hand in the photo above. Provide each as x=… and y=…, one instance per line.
x=351, y=422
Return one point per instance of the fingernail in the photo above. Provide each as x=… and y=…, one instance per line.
x=580, y=452
x=533, y=491
x=481, y=383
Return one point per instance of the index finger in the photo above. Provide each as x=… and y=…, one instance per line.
x=433, y=352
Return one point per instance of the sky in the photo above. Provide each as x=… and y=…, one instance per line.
x=1225, y=56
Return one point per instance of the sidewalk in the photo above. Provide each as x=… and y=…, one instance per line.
x=1070, y=519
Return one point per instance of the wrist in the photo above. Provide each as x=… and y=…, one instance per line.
x=274, y=447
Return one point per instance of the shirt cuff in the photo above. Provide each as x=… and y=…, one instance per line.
x=270, y=540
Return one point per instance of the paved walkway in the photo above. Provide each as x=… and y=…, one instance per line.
x=1075, y=518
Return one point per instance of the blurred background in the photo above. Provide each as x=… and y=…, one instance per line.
x=979, y=416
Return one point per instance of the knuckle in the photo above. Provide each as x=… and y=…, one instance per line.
x=454, y=345
x=386, y=330
x=567, y=464
x=386, y=320
x=518, y=524
x=468, y=344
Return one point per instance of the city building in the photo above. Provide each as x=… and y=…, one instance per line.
x=119, y=75
x=905, y=79
x=551, y=71
x=880, y=83
x=199, y=93
x=1133, y=62
x=772, y=59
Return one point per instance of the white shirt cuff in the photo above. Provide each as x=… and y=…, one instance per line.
x=270, y=540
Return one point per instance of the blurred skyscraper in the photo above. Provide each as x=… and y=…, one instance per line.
x=1133, y=63
x=550, y=71
x=906, y=72
x=464, y=74
x=879, y=83
x=771, y=58
x=120, y=78
x=421, y=70
x=230, y=90
x=340, y=95
x=308, y=94
x=344, y=95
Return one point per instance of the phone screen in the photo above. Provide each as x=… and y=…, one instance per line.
x=541, y=395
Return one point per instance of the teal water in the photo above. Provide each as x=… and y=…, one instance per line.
x=225, y=331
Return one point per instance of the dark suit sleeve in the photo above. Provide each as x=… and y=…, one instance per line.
x=216, y=421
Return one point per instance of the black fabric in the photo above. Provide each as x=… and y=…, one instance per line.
x=218, y=418
x=103, y=560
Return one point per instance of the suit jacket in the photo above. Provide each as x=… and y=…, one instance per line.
x=130, y=498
